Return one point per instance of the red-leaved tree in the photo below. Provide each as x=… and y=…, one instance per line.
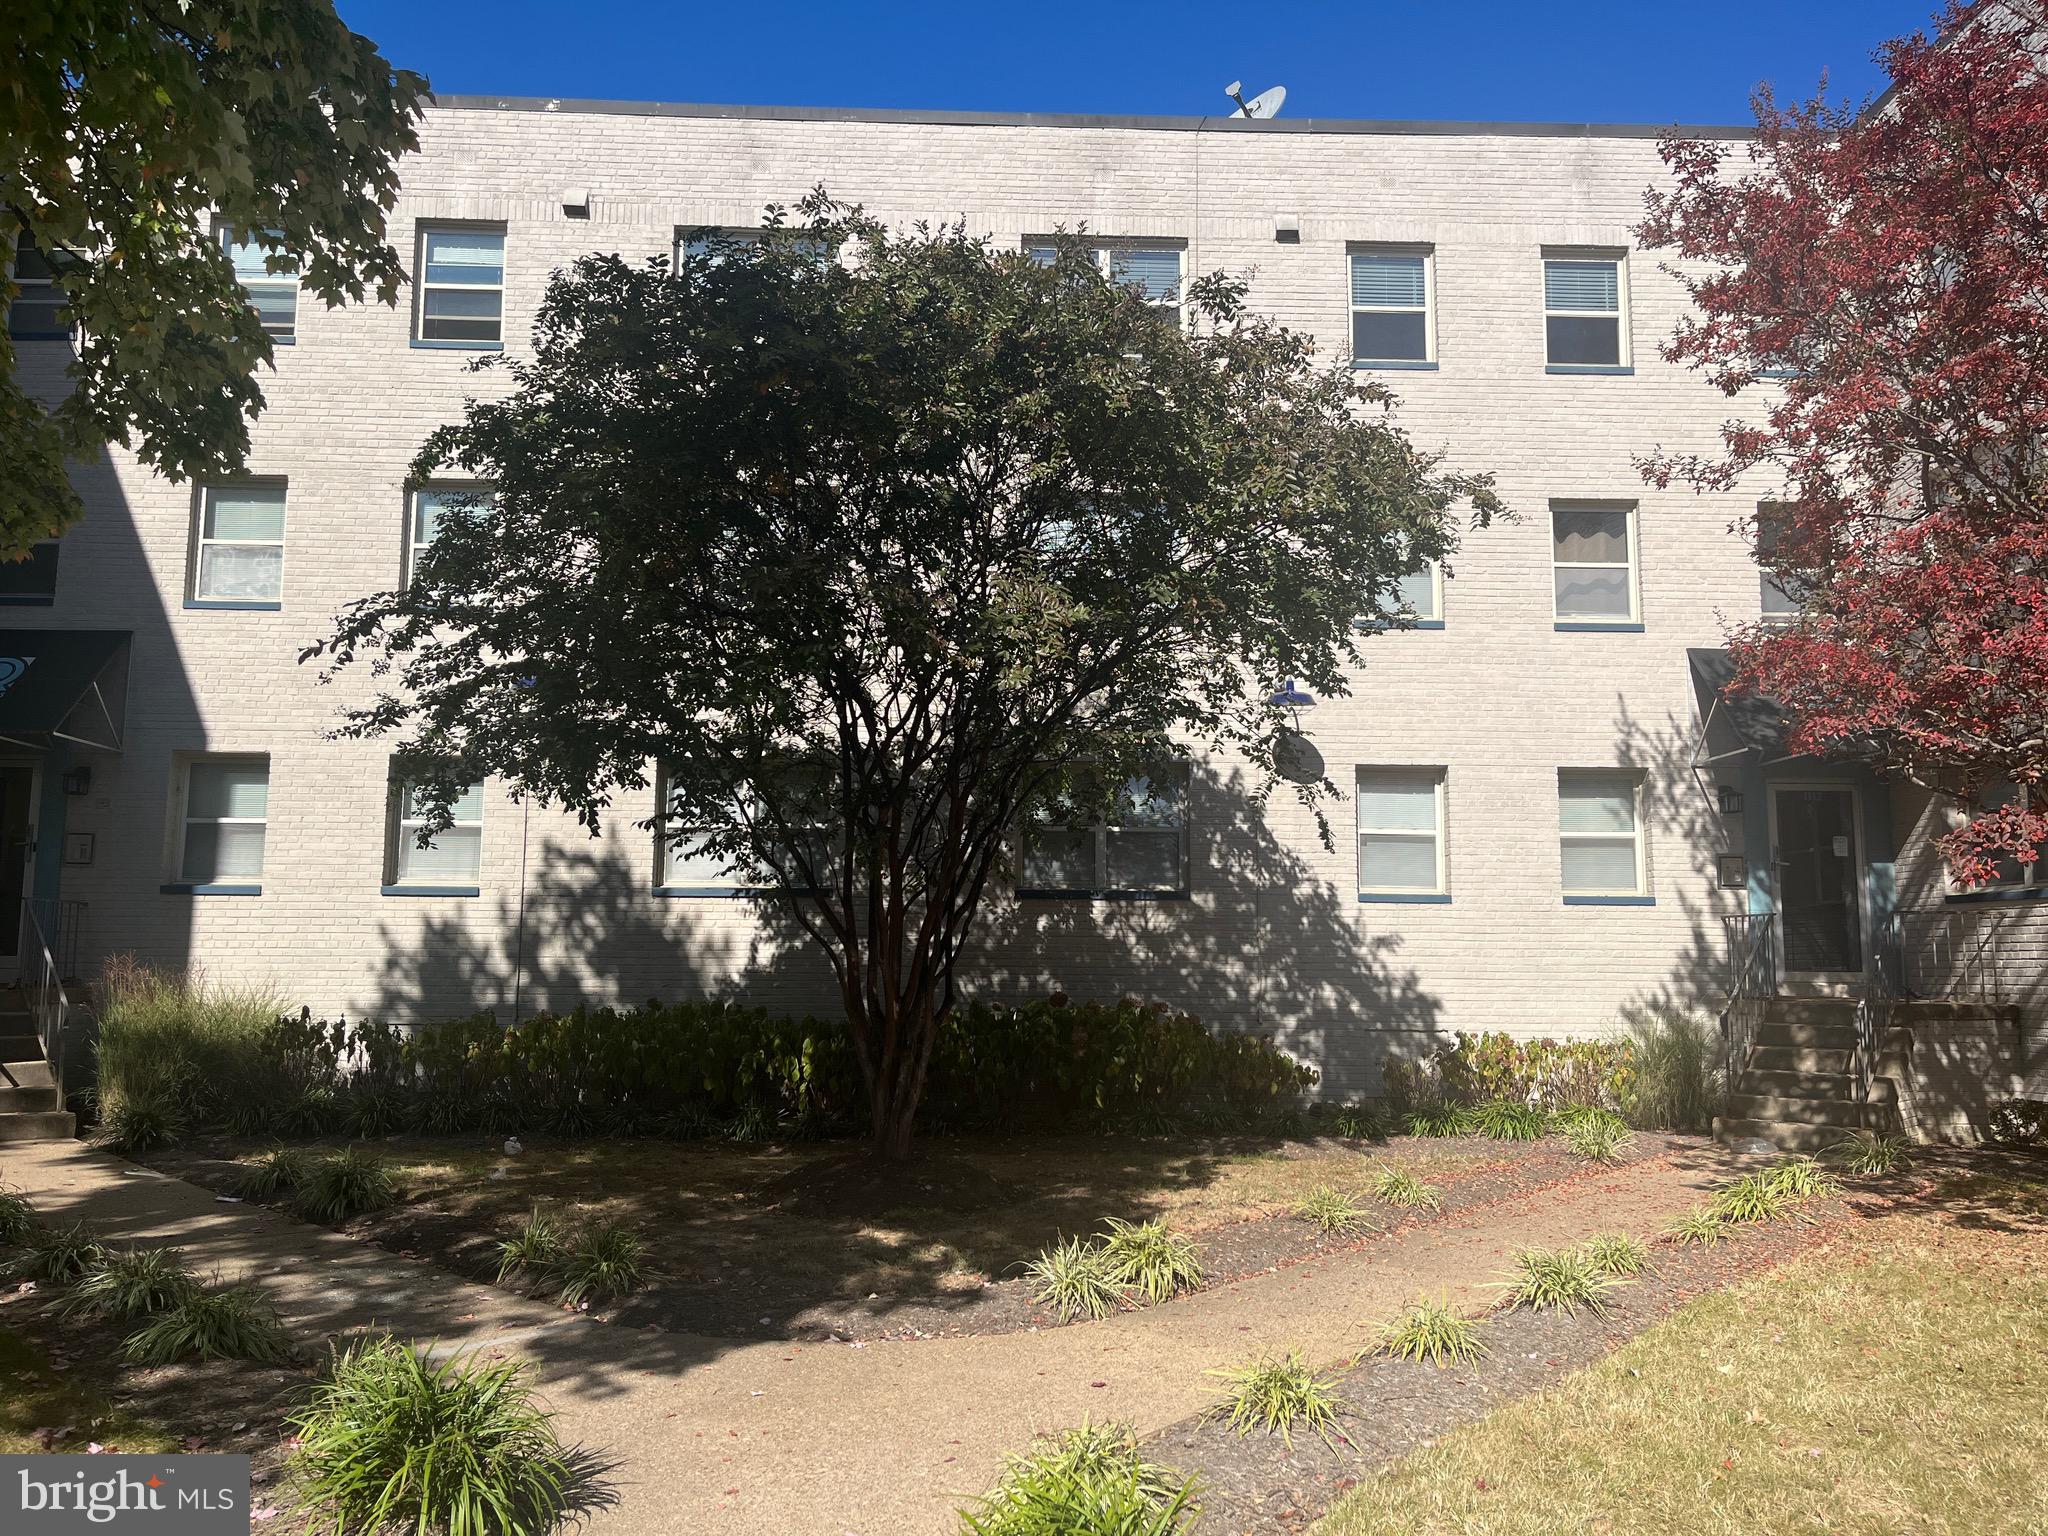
x=1876, y=292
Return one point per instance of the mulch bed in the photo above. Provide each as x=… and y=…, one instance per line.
x=1255, y=1486
x=753, y=1303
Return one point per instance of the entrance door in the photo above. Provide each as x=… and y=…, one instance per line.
x=1819, y=905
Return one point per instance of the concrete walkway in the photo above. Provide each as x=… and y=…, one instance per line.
x=730, y=1437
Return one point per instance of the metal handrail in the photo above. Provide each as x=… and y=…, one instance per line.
x=43, y=981
x=1752, y=980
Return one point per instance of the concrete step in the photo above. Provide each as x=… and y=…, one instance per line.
x=1785, y=1135
x=33, y=1073
x=1843, y=1114
x=1787, y=1058
x=50, y=1125
x=1798, y=1085
x=27, y=1101
x=1826, y=1037
x=1809, y=1010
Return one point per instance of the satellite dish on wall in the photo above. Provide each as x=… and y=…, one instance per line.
x=1296, y=759
x=1265, y=104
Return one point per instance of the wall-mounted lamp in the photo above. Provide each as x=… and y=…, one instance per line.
x=1293, y=698
x=78, y=781
x=576, y=203
x=1287, y=228
x=1731, y=800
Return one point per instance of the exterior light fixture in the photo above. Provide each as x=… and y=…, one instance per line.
x=78, y=781
x=1293, y=698
x=1731, y=800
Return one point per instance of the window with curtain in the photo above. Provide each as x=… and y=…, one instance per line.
x=239, y=549
x=462, y=286
x=1390, y=319
x=1582, y=313
x=453, y=857
x=273, y=294
x=1401, y=832
x=1137, y=847
x=1593, y=567
x=227, y=813
x=1600, y=832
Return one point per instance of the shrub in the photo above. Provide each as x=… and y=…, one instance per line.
x=231, y=1323
x=1360, y=1122
x=1617, y=1254
x=278, y=1172
x=1753, y=1197
x=132, y=1283
x=1151, y=1259
x=1699, y=1225
x=1397, y=1186
x=1868, y=1152
x=1507, y=1121
x=534, y=1247
x=1801, y=1178
x=374, y=1110
x=17, y=1218
x=57, y=1255
x=1332, y=1210
x=1437, y=1120
x=1274, y=1394
x=175, y=1052
x=2018, y=1123
x=1677, y=1084
x=1089, y=1481
x=1558, y=1279
x=1430, y=1330
x=600, y=1262
x=1073, y=1278
x=392, y=1441
x=1600, y=1138
x=143, y=1119
x=345, y=1184
x=1549, y=1074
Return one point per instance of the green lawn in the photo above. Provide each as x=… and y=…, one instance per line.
x=34, y=1397
x=1892, y=1382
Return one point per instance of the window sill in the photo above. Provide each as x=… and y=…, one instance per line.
x=430, y=890
x=1610, y=901
x=1105, y=896
x=1408, y=898
x=729, y=892
x=423, y=345
x=284, y=341
x=181, y=888
x=1392, y=365
x=1367, y=626
x=1589, y=627
x=1590, y=370
x=224, y=606
x=38, y=335
x=27, y=600
x=2012, y=893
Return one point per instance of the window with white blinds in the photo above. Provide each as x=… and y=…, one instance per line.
x=453, y=857
x=1584, y=305
x=274, y=295
x=1390, y=307
x=1600, y=833
x=1154, y=270
x=1401, y=832
x=462, y=287
x=238, y=548
x=227, y=817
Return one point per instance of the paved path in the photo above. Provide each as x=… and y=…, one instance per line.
x=729, y=1437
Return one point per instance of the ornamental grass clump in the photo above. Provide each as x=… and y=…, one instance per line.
x=224, y=1323
x=1868, y=1153
x=57, y=1255
x=1073, y=1278
x=17, y=1218
x=1558, y=1280
x=392, y=1441
x=1700, y=1226
x=1151, y=1258
x=1753, y=1197
x=1332, y=1210
x=1504, y=1120
x=1437, y=1120
x=1617, y=1253
x=1360, y=1122
x=132, y=1282
x=276, y=1174
x=1430, y=1330
x=1601, y=1139
x=343, y=1185
x=598, y=1262
x=1089, y=1481
x=1276, y=1394
x=1801, y=1178
x=1397, y=1186
x=534, y=1247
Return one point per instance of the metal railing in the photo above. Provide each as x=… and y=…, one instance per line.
x=42, y=982
x=1947, y=953
x=1752, y=982
x=60, y=923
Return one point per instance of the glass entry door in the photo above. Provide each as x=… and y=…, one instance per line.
x=1819, y=906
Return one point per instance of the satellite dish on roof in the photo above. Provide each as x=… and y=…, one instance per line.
x=1265, y=104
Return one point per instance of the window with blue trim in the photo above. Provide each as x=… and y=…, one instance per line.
x=1585, y=302
x=454, y=856
x=1401, y=832
x=1600, y=832
x=1153, y=268
x=271, y=280
x=462, y=286
x=226, y=820
x=238, y=551
x=2012, y=873
x=1135, y=845
x=1390, y=307
x=1593, y=562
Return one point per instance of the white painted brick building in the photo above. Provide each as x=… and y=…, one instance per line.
x=1272, y=933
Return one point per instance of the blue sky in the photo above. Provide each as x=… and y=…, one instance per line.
x=1489, y=60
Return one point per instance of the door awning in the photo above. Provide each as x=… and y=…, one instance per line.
x=63, y=685
x=1731, y=727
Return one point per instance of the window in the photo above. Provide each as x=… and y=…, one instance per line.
x=429, y=506
x=1401, y=832
x=37, y=311
x=1593, y=564
x=240, y=550
x=1138, y=847
x=273, y=294
x=707, y=243
x=1777, y=605
x=33, y=581
x=1583, y=312
x=1423, y=593
x=453, y=860
x=227, y=810
x=2013, y=874
x=1154, y=270
x=1600, y=833
x=685, y=868
x=462, y=287
x=1390, y=308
